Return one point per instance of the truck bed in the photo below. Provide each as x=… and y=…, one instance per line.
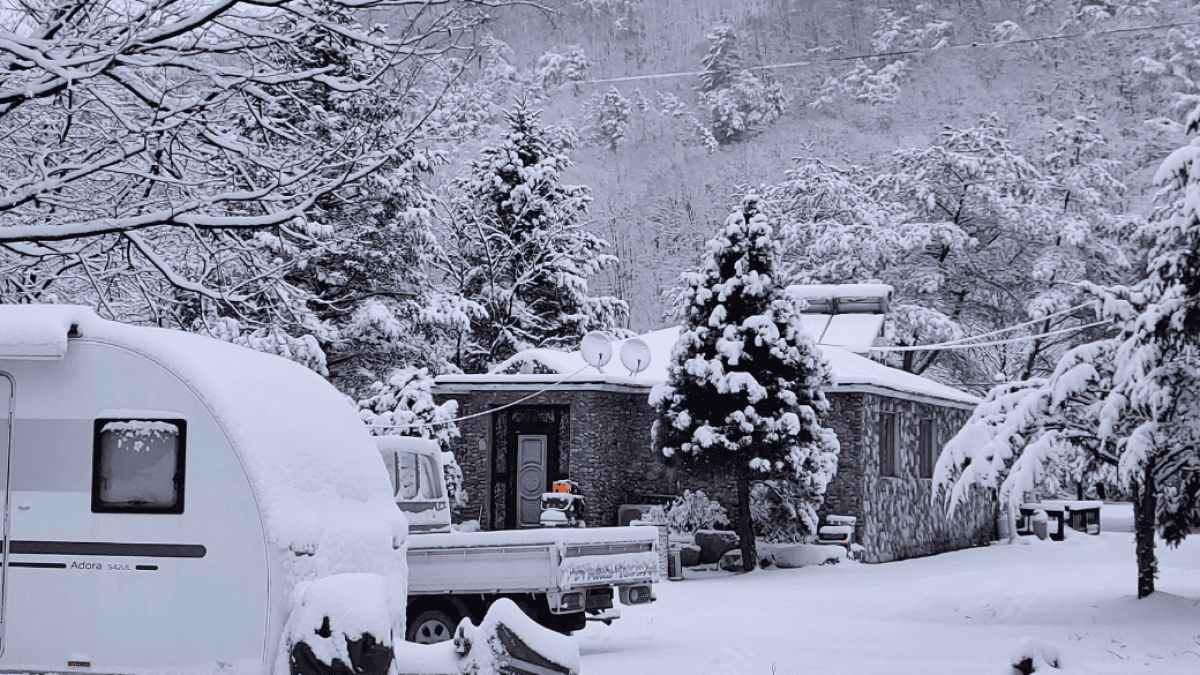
x=530, y=561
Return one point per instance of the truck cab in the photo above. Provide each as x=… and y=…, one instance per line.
x=415, y=470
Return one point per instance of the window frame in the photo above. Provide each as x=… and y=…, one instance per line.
x=894, y=436
x=926, y=441
x=99, y=506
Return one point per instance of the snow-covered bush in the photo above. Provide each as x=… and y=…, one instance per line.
x=691, y=512
x=404, y=406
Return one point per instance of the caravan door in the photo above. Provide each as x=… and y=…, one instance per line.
x=6, y=415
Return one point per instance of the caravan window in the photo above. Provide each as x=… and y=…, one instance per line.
x=137, y=466
x=415, y=477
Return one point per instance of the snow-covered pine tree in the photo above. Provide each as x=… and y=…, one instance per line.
x=744, y=398
x=723, y=59
x=1129, y=400
x=739, y=103
x=609, y=115
x=514, y=243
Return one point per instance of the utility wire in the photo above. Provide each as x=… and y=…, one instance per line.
x=965, y=45
x=1015, y=326
x=478, y=414
x=951, y=346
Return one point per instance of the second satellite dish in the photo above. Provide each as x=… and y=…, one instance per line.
x=635, y=355
x=596, y=349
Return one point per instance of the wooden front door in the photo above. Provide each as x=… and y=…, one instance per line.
x=531, y=478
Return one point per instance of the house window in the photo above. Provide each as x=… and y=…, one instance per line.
x=888, y=428
x=925, y=458
x=137, y=466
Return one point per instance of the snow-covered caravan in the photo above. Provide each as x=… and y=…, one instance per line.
x=176, y=502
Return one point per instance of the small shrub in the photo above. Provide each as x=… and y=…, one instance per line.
x=694, y=511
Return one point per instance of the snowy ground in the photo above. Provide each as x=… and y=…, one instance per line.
x=959, y=613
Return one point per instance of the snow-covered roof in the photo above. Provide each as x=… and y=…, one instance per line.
x=843, y=298
x=849, y=316
x=850, y=371
x=315, y=471
x=856, y=333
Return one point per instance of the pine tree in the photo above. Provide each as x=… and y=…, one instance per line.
x=610, y=118
x=722, y=61
x=743, y=397
x=513, y=242
x=739, y=103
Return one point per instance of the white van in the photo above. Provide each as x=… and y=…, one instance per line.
x=174, y=501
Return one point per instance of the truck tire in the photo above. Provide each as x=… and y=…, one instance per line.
x=431, y=626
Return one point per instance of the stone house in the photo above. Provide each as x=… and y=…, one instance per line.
x=556, y=417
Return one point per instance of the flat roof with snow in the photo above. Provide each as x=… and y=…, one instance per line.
x=567, y=370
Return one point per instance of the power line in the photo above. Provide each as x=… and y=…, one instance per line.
x=964, y=45
x=1016, y=326
x=489, y=411
x=952, y=346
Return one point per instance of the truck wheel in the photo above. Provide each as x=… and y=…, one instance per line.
x=430, y=627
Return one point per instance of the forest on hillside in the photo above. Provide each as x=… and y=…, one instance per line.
x=396, y=184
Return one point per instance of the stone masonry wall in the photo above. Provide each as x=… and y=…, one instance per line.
x=844, y=494
x=610, y=455
x=607, y=441
x=899, y=519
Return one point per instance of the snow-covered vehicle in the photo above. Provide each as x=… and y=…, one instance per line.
x=175, y=503
x=560, y=576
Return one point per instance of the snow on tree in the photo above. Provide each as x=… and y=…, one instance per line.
x=170, y=163
x=513, y=242
x=743, y=397
x=403, y=405
x=554, y=69
x=973, y=236
x=608, y=115
x=739, y=102
x=901, y=46
x=1128, y=401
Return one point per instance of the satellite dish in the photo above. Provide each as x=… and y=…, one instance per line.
x=596, y=349
x=635, y=355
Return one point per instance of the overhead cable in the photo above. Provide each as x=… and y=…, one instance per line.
x=952, y=346
x=964, y=45
x=489, y=411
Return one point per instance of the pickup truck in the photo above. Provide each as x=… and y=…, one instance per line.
x=560, y=576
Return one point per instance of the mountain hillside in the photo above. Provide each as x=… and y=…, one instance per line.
x=660, y=192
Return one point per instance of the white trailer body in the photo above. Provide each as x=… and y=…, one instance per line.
x=169, y=497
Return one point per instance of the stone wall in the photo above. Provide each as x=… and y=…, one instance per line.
x=896, y=517
x=608, y=452
x=606, y=441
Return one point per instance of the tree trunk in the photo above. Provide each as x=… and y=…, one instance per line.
x=745, y=526
x=1144, y=498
